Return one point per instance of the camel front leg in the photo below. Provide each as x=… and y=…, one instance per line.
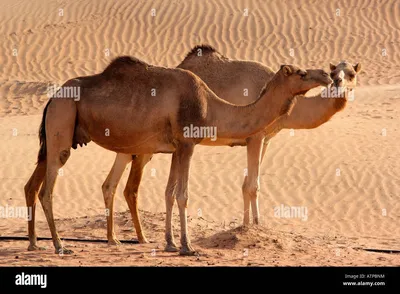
x=246, y=202
x=31, y=196
x=131, y=192
x=169, y=204
x=109, y=186
x=184, y=154
x=251, y=184
x=254, y=203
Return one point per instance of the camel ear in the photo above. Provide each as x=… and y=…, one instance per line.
x=357, y=67
x=286, y=70
x=332, y=66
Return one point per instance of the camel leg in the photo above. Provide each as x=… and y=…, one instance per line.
x=184, y=155
x=246, y=203
x=169, y=204
x=131, y=192
x=251, y=184
x=109, y=186
x=254, y=203
x=46, y=199
x=60, y=124
x=31, y=195
x=265, y=148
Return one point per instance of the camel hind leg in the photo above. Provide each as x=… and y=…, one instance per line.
x=131, y=192
x=184, y=154
x=31, y=196
x=60, y=123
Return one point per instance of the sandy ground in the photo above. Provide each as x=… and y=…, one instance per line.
x=357, y=210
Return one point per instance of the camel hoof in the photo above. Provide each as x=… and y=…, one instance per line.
x=35, y=248
x=63, y=251
x=143, y=240
x=114, y=241
x=171, y=248
x=187, y=251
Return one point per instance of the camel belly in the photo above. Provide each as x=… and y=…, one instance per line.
x=126, y=137
x=135, y=143
x=223, y=142
x=138, y=149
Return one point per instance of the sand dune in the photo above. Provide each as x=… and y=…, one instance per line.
x=359, y=208
x=55, y=48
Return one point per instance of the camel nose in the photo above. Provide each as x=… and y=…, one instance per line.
x=337, y=81
x=340, y=77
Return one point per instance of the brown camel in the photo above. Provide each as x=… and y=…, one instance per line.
x=227, y=78
x=135, y=108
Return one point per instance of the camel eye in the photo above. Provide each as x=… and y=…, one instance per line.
x=302, y=73
x=351, y=77
x=332, y=74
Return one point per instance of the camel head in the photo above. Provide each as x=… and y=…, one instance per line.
x=345, y=74
x=300, y=81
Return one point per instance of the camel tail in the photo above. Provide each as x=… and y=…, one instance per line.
x=42, y=136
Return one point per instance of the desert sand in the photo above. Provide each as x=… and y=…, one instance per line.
x=346, y=172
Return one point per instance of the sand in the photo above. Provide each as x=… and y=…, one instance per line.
x=356, y=210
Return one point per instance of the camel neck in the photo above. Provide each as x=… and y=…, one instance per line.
x=311, y=112
x=243, y=121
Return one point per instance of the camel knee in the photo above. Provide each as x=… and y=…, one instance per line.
x=170, y=196
x=131, y=189
x=64, y=155
x=131, y=194
x=45, y=198
x=108, y=190
x=251, y=189
x=170, y=190
x=182, y=201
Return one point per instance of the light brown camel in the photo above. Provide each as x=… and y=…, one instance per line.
x=227, y=78
x=135, y=108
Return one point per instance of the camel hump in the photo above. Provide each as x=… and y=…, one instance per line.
x=200, y=50
x=126, y=60
x=122, y=63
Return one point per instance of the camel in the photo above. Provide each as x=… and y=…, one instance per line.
x=226, y=78
x=119, y=110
